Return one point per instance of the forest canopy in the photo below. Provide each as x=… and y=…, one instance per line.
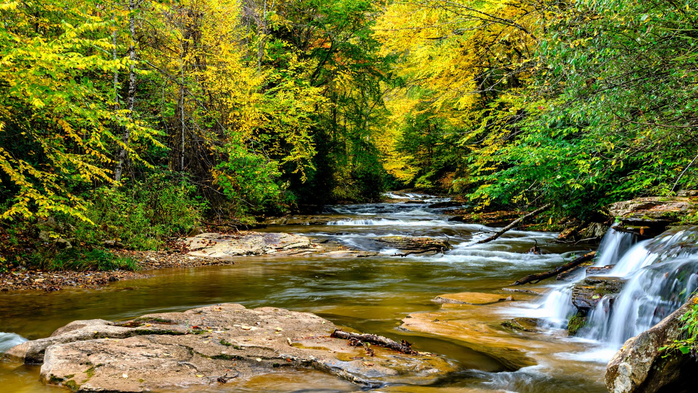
x=142, y=119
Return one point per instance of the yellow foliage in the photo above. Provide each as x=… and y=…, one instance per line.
x=455, y=57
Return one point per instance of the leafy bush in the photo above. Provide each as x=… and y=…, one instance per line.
x=83, y=260
x=141, y=215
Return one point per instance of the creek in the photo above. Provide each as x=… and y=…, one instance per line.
x=372, y=294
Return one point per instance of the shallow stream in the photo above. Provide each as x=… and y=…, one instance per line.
x=371, y=294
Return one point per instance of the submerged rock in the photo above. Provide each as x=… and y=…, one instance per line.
x=473, y=298
x=522, y=324
x=414, y=245
x=217, y=245
x=210, y=346
x=641, y=365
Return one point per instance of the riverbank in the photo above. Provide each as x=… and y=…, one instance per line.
x=208, y=249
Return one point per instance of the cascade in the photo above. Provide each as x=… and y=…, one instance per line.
x=557, y=308
x=661, y=275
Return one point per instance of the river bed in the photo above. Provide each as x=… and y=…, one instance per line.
x=371, y=294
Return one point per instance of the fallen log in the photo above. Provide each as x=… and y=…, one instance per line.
x=538, y=277
x=381, y=341
x=514, y=224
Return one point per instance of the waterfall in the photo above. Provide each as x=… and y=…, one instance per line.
x=613, y=245
x=661, y=275
x=557, y=308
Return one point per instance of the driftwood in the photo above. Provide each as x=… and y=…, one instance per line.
x=514, y=224
x=381, y=341
x=542, y=276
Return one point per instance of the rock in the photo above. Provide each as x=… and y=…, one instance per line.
x=443, y=205
x=650, y=216
x=576, y=322
x=522, y=324
x=594, y=230
x=596, y=270
x=216, y=245
x=112, y=244
x=587, y=293
x=414, y=245
x=304, y=220
x=210, y=346
x=32, y=352
x=526, y=291
x=640, y=365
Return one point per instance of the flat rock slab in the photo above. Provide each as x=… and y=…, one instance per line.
x=217, y=245
x=212, y=346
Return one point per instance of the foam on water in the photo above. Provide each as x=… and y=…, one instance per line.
x=9, y=340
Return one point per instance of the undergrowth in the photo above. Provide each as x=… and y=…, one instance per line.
x=82, y=260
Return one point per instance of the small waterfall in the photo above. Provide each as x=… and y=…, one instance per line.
x=613, y=245
x=557, y=307
x=661, y=275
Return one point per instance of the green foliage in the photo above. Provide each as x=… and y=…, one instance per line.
x=82, y=260
x=432, y=148
x=141, y=215
x=688, y=343
x=610, y=114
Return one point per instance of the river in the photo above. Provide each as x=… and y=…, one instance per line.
x=371, y=294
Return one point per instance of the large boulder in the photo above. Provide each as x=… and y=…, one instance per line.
x=211, y=346
x=641, y=366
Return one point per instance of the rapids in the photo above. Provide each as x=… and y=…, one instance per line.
x=371, y=294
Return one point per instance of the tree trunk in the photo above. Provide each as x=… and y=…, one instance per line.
x=514, y=224
x=131, y=98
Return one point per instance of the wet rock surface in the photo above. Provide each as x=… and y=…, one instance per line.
x=304, y=220
x=414, y=245
x=473, y=298
x=511, y=342
x=212, y=346
x=589, y=292
x=640, y=365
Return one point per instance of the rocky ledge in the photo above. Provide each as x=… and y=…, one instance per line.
x=642, y=366
x=650, y=216
x=211, y=346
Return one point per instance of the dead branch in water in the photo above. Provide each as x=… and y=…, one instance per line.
x=542, y=276
x=514, y=224
x=385, y=342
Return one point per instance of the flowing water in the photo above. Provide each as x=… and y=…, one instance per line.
x=368, y=294
x=660, y=274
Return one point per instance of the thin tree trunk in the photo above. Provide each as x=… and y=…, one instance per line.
x=514, y=224
x=131, y=98
x=181, y=90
